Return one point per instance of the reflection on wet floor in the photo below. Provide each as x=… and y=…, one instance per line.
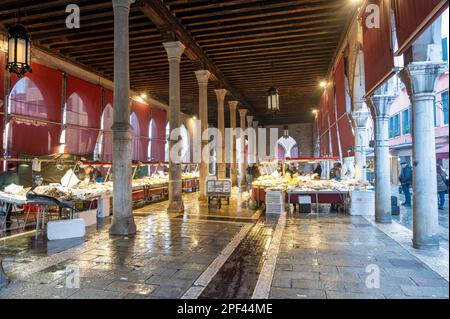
x=238, y=276
x=321, y=256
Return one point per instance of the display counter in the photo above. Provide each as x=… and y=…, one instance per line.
x=319, y=191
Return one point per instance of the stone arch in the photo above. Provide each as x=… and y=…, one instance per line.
x=289, y=146
x=136, y=144
x=185, y=150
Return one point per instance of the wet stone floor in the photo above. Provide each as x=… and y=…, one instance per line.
x=405, y=217
x=320, y=256
x=338, y=256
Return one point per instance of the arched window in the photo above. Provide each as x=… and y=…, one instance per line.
x=286, y=147
x=103, y=149
x=76, y=138
x=136, y=148
x=281, y=152
x=185, y=149
x=150, y=136
x=30, y=116
x=166, y=147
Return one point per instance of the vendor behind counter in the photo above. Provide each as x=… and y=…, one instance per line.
x=9, y=177
x=90, y=173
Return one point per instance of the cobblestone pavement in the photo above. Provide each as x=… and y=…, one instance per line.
x=406, y=217
x=320, y=256
x=163, y=260
x=332, y=256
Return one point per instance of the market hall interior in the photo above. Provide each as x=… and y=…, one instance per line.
x=102, y=110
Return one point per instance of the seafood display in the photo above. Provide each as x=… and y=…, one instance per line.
x=307, y=183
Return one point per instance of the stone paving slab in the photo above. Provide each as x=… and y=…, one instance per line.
x=162, y=260
x=331, y=256
x=325, y=256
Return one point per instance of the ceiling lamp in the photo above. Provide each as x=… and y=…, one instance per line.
x=286, y=131
x=273, y=100
x=19, y=50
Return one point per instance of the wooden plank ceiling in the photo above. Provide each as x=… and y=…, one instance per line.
x=253, y=44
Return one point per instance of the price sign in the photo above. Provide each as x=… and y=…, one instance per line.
x=218, y=187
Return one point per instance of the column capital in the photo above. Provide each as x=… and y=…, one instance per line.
x=233, y=105
x=174, y=50
x=360, y=118
x=122, y=3
x=242, y=113
x=220, y=94
x=202, y=76
x=358, y=104
x=381, y=104
x=249, y=120
x=420, y=78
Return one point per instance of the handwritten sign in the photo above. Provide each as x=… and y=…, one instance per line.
x=218, y=187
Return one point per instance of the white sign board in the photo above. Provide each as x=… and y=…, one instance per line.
x=274, y=202
x=218, y=187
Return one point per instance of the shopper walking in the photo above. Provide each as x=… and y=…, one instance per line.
x=441, y=186
x=406, y=181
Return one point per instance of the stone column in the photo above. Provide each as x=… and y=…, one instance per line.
x=174, y=51
x=255, y=127
x=250, y=146
x=222, y=166
x=420, y=79
x=123, y=222
x=359, y=122
x=382, y=105
x=233, y=165
x=243, y=162
x=202, y=78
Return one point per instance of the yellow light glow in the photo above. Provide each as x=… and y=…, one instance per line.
x=323, y=84
x=143, y=95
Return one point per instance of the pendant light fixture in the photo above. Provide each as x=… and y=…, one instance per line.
x=19, y=49
x=286, y=131
x=273, y=100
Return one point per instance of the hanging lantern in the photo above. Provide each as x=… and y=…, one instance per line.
x=19, y=50
x=273, y=101
x=285, y=131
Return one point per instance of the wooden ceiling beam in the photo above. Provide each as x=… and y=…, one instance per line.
x=159, y=14
x=27, y=16
x=244, y=24
x=241, y=10
x=294, y=23
x=302, y=9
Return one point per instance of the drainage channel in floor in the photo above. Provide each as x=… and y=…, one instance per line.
x=216, y=218
x=238, y=276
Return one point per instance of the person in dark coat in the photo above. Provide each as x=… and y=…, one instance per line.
x=318, y=170
x=336, y=171
x=406, y=181
x=441, y=186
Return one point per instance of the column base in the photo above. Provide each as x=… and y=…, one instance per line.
x=383, y=220
x=430, y=244
x=176, y=207
x=122, y=226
